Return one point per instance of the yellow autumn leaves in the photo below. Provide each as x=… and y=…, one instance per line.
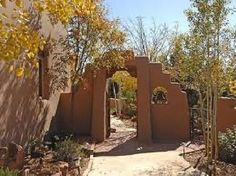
x=125, y=80
x=63, y=10
x=19, y=72
x=233, y=87
x=20, y=42
x=18, y=3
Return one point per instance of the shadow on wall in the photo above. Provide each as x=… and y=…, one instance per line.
x=77, y=122
x=22, y=115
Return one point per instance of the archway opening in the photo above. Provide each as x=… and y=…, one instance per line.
x=121, y=105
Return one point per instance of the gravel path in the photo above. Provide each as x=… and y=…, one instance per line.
x=122, y=155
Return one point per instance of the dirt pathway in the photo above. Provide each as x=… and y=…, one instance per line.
x=121, y=155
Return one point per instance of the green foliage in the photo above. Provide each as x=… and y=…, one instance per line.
x=68, y=150
x=97, y=40
x=233, y=87
x=130, y=95
x=227, y=145
x=33, y=145
x=127, y=83
x=52, y=139
x=131, y=110
x=128, y=86
x=209, y=34
x=7, y=172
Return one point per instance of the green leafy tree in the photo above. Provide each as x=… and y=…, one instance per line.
x=208, y=25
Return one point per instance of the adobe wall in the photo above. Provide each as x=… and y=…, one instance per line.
x=169, y=121
x=155, y=122
x=143, y=100
x=76, y=117
x=99, y=112
x=88, y=116
x=23, y=114
x=226, y=114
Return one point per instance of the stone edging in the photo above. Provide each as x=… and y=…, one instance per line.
x=86, y=172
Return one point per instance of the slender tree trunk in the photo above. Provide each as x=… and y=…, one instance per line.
x=215, y=127
x=72, y=106
x=115, y=96
x=207, y=124
x=203, y=120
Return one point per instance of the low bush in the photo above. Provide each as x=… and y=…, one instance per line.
x=227, y=146
x=7, y=172
x=52, y=139
x=68, y=150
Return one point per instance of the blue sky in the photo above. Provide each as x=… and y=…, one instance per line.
x=162, y=11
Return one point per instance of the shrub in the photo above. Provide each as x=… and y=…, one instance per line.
x=227, y=145
x=68, y=150
x=131, y=110
x=7, y=172
x=33, y=145
x=51, y=139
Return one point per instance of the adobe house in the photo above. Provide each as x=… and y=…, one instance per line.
x=26, y=105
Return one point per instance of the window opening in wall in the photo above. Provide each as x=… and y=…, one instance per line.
x=159, y=95
x=43, y=74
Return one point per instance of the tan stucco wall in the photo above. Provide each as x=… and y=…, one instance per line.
x=226, y=114
x=143, y=100
x=99, y=113
x=155, y=122
x=23, y=115
x=77, y=122
x=169, y=121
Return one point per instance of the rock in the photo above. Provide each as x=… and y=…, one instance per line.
x=63, y=168
x=58, y=174
x=48, y=156
x=134, y=119
x=3, y=155
x=2, y=162
x=26, y=172
x=75, y=163
x=3, y=151
x=37, y=154
x=15, y=156
x=45, y=171
x=74, y=172
x=112, y=130
x=86, y=145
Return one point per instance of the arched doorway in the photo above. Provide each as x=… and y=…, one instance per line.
x=121, y=104
x=138, y=67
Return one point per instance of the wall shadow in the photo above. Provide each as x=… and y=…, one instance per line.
x=22, y=114
x=129, y=145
